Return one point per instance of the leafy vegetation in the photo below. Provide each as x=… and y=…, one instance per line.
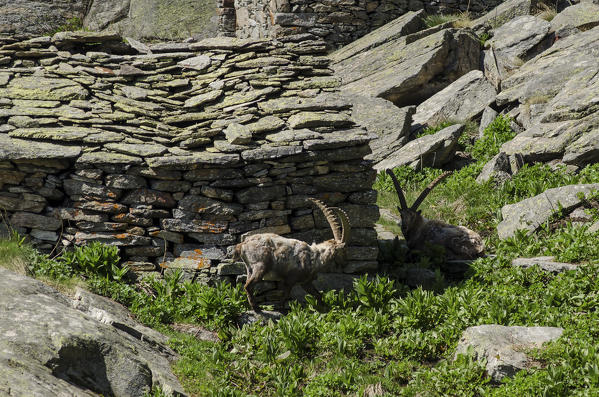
x=381, y=338
x=483, y=38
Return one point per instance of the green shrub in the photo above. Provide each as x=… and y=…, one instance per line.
x=495, y=135
x=42, y=266
x=462, y=377
x=95, y=259
x=374, y=293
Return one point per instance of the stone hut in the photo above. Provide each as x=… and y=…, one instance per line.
x=174, y=152
x=336, y=22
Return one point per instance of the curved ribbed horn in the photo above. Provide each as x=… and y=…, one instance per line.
x=331, y=218
x=402, y=199
x=428, y=189
x=345, y=224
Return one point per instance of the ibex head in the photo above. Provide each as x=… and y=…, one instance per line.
x=411, y=217
x=341, y=231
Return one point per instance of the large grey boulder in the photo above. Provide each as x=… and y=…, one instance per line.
x=514, y=43
x=504, y=348
x=532, y=212
x=409, y=23
x=503, y=13
x=38, y=16
x=582, y=16
x=462, y=100
x=556, y=94
x=51, y=345
x=392, y=125
x=154, y=19
x=410, y=69
x=428, y=151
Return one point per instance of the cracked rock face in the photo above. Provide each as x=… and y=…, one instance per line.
x=52, y=345
x=154, y=19
x=556, y=95
x=427, y=151
x=462, y=100
x=408, y=69
x=513, y=43
x=37, y=16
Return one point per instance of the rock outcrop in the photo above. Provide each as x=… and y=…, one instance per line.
x=406, y=24
x=409, y=69
x=514, y=43
x=154, y=19
x=392, y=125
x=461, y=101
x=503, y=347
x=554, y=93
x=184, y=150
x=504, y=12
x=582, y=16
x=36, y=17
x=51, y=345
x=428, y=151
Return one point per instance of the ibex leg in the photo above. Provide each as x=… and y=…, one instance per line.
x=309, y=288
x=253, y=278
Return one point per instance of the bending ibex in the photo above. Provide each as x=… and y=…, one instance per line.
x=459, y=242
x=291, y=260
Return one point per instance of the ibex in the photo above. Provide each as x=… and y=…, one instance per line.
x=291, y=260
x=459, y=242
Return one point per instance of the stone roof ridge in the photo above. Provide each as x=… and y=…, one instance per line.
x=217, y=101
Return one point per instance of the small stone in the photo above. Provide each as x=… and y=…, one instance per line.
x=150, y=197
x=199, y=63
x=238, y=134
x=125, y=181
x=44, y=235
x=25, y=219
x=231, y=269
x=202, y=99
x=314, y=119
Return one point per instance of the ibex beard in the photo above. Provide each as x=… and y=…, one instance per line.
x=290, y=260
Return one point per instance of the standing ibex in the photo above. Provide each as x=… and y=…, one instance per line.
x=459, y=242
x=291, y=260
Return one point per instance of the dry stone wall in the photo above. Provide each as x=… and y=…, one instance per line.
x=338, y=22
x=175, y=154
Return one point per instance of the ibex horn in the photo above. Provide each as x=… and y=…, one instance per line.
x=345, y=224
x=428, y=189
x=331, y=218
x=402, y=199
